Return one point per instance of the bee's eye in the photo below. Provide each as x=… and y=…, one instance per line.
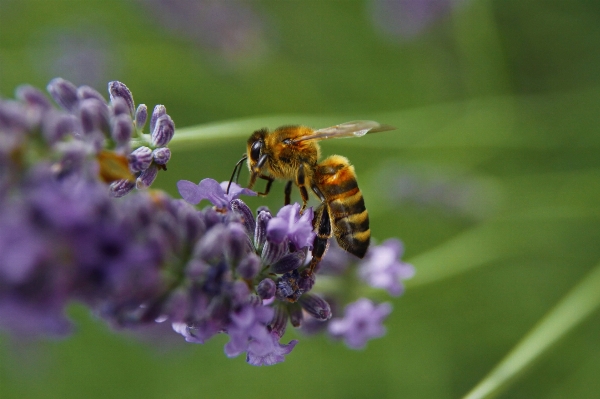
x=287, y=141
x=255, y=151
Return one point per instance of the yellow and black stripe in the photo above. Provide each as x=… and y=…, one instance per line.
x=336, y=179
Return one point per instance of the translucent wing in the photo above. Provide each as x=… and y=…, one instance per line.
x=348, y=129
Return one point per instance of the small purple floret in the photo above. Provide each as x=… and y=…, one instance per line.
x=362, y=321
x=247, y=325
x=382, y=268
x=211, y=190
x=268, y=352
x=290, y=224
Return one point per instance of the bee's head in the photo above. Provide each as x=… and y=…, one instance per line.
x=255, y=151
x=254, y=155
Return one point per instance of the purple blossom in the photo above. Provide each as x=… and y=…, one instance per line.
x=268, y=352
x=382, y=267
x=247, y=325
x=211, y=190
x=290, y=224
x=362, y=321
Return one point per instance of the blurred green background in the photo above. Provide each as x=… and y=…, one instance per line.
x=491, y=180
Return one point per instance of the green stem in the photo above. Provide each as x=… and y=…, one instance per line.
x=578, y=304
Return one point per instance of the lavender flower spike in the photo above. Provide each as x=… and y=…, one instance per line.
x=362, y=321
x=383, y=269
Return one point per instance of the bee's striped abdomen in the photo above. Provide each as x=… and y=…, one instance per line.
x=349, y=217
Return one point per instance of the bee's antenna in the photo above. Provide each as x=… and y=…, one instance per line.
x=238, y=169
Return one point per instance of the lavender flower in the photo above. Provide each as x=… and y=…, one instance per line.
x=362, y=321
x=211, y=190
x=382, y=268
x=248, y=325
x=268, y=352
x=148, y=258
x=293, y=226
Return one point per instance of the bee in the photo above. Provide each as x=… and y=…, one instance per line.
x=292, y=153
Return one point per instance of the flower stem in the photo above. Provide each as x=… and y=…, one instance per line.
x=578, y=304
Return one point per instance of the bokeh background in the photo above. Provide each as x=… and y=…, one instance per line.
x=491, y=180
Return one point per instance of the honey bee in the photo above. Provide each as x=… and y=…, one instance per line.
x=292, y=153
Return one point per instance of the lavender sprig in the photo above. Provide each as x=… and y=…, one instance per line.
x=148, y=258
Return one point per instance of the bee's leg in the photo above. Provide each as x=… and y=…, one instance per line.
x=288, y=193
x=269, y=180
x=322, y=223
x=300, y=181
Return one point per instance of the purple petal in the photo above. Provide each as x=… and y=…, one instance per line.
x=235, y=190
x=277, y=230
x=189, y=191
x=268, y=352
x=363, y=320
x=211, y=190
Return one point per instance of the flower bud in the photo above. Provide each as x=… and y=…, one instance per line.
x=316, y=306
x=237, y=240
x=121, y=188
x=33, y=97
x=288, y=263
x=64, y=93
x=163, y=131
x=266, y=289
x=241, y=209
x=161, y=155
x=271, y=253
x=158, y=111
x=119, y=107
x=57, y=125
x=87, y=92
x=93, y=114
x=141, y=115
x=140, y=159
x=249, y=266
x=122, y=129
x=147, y=177
x=260, y=234
x=279, y=322
x=119, y=90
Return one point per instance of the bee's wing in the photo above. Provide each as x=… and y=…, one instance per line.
x=348, y=129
